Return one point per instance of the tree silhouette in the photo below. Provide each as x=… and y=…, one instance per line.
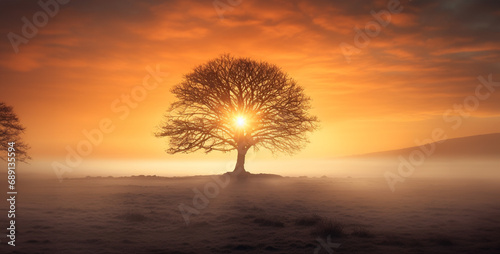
x=237, y=103
x=10, y=131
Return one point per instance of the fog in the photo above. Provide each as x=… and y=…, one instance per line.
x=346, y=167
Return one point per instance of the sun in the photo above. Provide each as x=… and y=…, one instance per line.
x=240, y=121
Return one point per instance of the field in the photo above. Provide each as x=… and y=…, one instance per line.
x=266, y=214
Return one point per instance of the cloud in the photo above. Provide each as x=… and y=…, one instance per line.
x=425, y=60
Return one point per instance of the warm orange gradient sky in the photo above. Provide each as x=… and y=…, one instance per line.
x=393, y=91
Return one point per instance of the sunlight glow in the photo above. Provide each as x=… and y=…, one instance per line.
x=240, y=121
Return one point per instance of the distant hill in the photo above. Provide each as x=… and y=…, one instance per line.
x=487, y=145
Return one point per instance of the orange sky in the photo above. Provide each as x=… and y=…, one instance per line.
x=393, y=91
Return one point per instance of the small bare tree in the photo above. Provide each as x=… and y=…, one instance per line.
x=237, y=103
x=10, y=131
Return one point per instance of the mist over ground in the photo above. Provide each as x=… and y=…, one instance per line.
x=214, y=214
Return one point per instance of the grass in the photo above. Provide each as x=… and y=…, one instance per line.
x=361, y=232
x=327, y=227
x=133, y=217
x=443, y=241
x=274, y=222
x=308, y=220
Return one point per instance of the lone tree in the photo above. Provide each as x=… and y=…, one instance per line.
x=10, y=131
x=237, y=103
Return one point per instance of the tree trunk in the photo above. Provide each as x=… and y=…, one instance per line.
x=240, y=162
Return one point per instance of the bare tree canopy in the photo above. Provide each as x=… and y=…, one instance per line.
x=238, y=103
x=10, y=131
